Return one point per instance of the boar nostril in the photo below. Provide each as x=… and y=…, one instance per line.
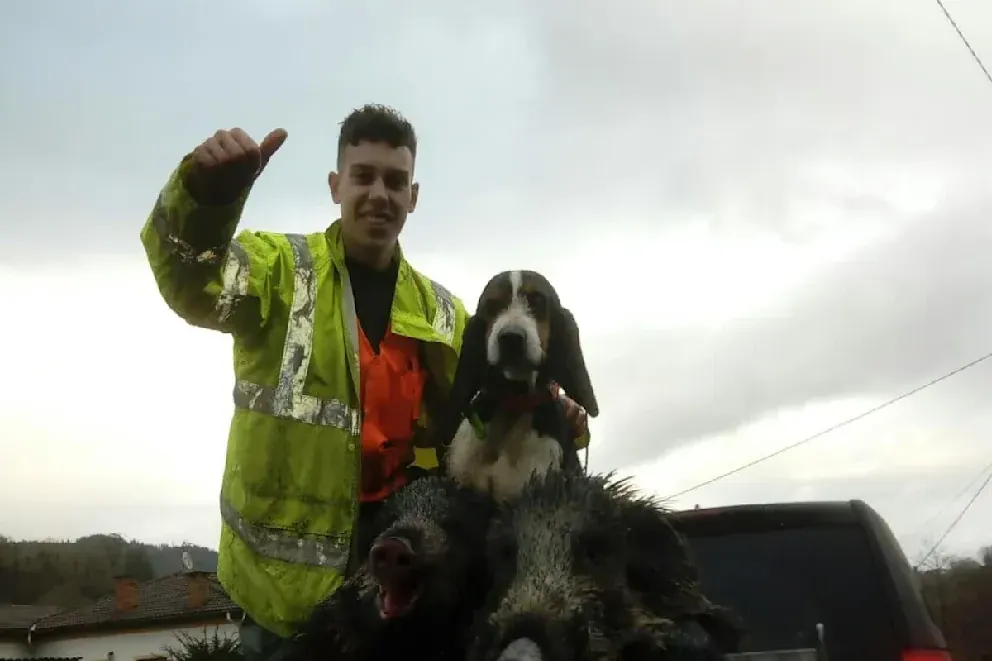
x=392, y=554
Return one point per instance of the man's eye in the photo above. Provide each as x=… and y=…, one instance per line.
x=396, y=181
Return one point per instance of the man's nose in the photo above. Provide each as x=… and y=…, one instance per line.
x=378, y=189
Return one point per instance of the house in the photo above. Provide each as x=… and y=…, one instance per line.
x=135, y=623
x=15, y=621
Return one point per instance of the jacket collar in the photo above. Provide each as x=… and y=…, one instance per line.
x=335, y=249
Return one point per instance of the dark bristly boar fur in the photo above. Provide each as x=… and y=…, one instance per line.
x=586, y=570
x=415, y=595
x=661, y=573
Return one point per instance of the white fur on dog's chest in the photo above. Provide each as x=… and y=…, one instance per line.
x=504, y=478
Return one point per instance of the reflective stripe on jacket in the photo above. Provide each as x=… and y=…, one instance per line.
x=290, y=488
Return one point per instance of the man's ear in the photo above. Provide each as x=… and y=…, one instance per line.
x=334, y=183
x=414, y=196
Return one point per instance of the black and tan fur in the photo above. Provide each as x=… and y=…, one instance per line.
x=520, y=340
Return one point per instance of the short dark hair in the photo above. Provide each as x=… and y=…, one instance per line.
x=376, y=123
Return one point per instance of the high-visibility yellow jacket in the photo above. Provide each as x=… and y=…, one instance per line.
x=289, y=495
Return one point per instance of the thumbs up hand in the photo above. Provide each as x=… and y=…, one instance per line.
x=227, y=163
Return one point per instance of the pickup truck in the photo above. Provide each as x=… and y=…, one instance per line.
x=818, y=581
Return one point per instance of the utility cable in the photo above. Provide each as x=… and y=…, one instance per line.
x=833, y=428
x=964, y=39
x=956, y=521
x=943, y=509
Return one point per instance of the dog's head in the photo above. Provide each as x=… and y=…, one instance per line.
x=521, y=330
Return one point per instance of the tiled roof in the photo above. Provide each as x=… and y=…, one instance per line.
x=15, y=618
x=161, y=600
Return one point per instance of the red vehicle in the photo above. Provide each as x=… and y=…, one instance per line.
x=821, y=581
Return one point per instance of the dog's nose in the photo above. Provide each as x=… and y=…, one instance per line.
x=512, y=344
x=392, y=556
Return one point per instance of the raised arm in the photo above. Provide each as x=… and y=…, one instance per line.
x=206, y=275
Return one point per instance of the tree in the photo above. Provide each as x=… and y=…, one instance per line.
x=136, y=563
x=958, y=592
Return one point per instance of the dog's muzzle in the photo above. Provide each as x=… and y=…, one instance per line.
x=512, y=344
x=513, y=355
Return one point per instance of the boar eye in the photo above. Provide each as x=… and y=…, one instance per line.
x=506, y=551
x=502, y=548
x=597, y=547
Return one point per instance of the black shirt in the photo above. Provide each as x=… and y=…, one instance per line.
x=373, y=298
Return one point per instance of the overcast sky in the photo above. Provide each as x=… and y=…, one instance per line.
x=767, y=216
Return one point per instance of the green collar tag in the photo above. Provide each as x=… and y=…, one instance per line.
x=479, y=427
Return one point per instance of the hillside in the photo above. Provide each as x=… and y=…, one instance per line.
x=72, y=573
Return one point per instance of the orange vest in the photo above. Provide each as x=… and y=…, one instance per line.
x=392, y=386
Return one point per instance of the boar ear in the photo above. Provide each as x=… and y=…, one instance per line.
x=466, y=383
x=565, y=363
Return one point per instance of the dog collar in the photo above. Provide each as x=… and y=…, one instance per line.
x=526, y=403
x=512, y=404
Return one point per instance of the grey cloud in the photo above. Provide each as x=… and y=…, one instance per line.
x=692, y=105
x=897, y=314
x=525, y=110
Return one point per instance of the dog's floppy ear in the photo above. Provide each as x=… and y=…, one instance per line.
x=565, y=363
x=468, y=379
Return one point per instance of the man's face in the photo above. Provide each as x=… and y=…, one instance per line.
x=376, y=192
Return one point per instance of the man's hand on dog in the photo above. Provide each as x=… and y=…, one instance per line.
x=576, y=416
x=227, y=163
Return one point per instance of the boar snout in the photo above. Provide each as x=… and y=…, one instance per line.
x=392, y=558
x=396, y=567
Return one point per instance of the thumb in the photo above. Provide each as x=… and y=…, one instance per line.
x=271, y=143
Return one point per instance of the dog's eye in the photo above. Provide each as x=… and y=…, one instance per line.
x=537, y=302
x=491, y=308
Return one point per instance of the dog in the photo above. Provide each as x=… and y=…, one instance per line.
x=505, y=421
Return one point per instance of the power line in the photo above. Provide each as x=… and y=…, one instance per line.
x=964, y=39
x=940, y=512
x=833, y=428
x=956, y=521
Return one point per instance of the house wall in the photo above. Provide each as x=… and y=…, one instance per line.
x=132, y=646
x=12, y=650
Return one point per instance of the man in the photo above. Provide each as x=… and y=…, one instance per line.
x=341, y=352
